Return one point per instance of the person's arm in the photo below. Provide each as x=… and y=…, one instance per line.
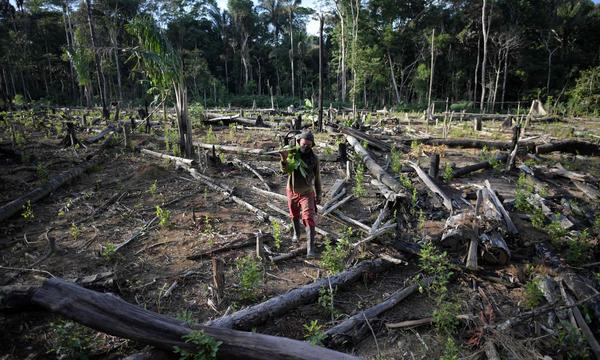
x=318, y=189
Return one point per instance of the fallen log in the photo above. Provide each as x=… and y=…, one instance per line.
x=577, y=147
x=9, y=209
x=353, y=329
x=432, y=186
x=112, y=315
x=377, y=171
x=559, y=170
x=587, y=190
x=376, y=143
x=259, y=313
x=494, y=249
x=473, y=143
x=187, y=162
x=465, y=170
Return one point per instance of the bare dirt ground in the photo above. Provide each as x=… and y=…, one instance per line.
x=117, y=200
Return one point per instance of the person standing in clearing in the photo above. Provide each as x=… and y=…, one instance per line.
x=303, y=188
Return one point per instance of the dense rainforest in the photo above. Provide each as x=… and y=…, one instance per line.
x=398, y=54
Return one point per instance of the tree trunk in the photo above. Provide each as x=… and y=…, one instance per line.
x=292, y=52
x=276, y=306
x=485, y=31
x=112, y=315
x=431, y=69
x=393, y=77
x=99, y=73
x=321, y=21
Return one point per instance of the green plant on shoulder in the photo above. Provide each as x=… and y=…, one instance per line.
x=153, y=188
x=164, y=217
x=571, y=343
x=109, y=252
x=359, y=176
x=69, y=340
x=532, y=294
x=186, y=316
x=313, y=333
x=74, y=231
x=444, y=318
x=27, y=213
x=41, y=171
x=250, y=271
x=211, y=138
x=206, y=347
x=448, y=174
x=276, y=234
x=333, y=257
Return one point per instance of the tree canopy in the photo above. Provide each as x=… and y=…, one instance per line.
x=376, y=53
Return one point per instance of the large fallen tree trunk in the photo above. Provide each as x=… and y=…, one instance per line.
x=259, y=313
x=473, y=143
x=376, y=143
x=353, y=329
x=11, y=208
x=112, y=315
x=570, y=146
x=226, y=119
x=377, y=171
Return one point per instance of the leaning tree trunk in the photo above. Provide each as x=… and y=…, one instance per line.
x=112, y=315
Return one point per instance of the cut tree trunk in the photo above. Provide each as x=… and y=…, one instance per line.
x=276, y=306
x=112, y=315
x=473, y=143
x=11, y=208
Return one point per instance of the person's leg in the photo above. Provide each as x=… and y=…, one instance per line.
x=295, y=213
x=308, y=205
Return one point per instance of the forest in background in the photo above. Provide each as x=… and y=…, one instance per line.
x=376, y=53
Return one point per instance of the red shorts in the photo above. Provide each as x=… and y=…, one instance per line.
x=302, y=206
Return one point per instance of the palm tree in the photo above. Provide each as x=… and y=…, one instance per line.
x=163, y=66
x=272, y=13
